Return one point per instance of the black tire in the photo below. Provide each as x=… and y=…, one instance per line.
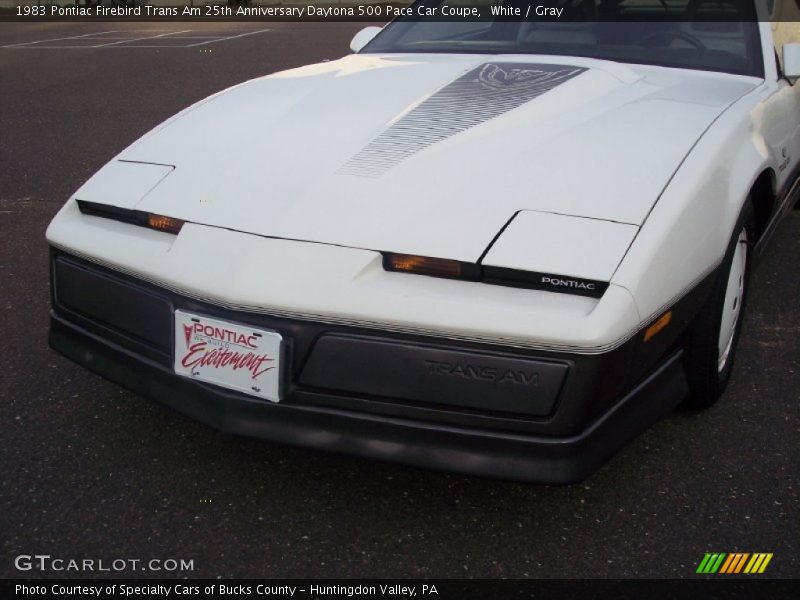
x=707, y=381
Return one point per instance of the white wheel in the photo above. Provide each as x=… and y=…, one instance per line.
x=712, y=337
x=732, y=305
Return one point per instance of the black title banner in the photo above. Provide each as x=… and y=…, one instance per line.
x=402, y=589
x=426, y=10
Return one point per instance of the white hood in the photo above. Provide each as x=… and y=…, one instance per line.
x=287, y=155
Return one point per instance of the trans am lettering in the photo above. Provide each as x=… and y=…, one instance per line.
x=481, y=373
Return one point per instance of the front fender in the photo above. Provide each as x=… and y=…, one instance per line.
x=685, y=236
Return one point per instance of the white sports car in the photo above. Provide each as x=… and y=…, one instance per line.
x=494, y=247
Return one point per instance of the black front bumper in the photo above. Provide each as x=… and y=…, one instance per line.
x=581, y=411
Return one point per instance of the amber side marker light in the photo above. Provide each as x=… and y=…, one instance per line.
x=435, y=267
x=656, y=327
x=162, y=223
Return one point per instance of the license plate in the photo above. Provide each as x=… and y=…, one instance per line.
x=231, y=355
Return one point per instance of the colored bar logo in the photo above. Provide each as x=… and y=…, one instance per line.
x=737, y=562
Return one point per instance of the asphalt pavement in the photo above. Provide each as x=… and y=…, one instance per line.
x=92, y=471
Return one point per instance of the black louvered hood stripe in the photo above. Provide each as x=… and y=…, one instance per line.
x=479, y=95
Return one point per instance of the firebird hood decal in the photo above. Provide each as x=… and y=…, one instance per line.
x=483, y=93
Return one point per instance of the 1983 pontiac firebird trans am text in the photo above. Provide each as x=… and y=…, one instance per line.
x=500, y=248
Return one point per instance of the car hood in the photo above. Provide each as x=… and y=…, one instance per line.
x=428, y=155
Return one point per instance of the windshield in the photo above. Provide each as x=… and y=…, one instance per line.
x=712, y=35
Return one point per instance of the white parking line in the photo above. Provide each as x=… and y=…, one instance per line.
x=184, y=37
x=224, y=39
x=149, y=37
x=73, y=37
x=122, y=42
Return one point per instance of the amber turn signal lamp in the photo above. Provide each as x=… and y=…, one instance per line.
x=162, y=223
x=425, y=265
x=467, y=271
x=657, y=326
